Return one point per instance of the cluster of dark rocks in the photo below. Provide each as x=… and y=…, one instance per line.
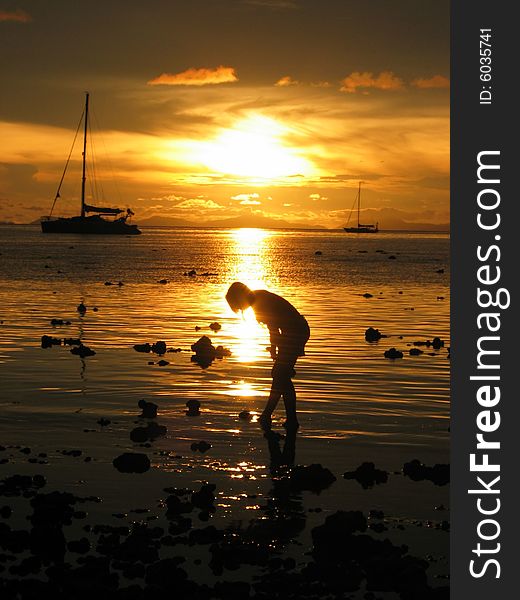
x=393, y=353
x=79, y=349
x=367, y=475
x=143, y=561
x=157, y=347
x=373, y=335
x=193, y=273
x=437, y=343
x=439, y=474
x=206, y=352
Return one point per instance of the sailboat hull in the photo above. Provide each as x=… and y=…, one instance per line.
x=89, y=225
x=361, y=229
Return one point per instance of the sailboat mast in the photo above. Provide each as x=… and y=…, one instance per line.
x=84, y=177
x=358, y=202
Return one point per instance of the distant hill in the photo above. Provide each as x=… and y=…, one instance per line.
x=248, y=220
x=159, y=221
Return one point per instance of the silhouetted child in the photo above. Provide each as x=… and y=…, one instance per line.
x=288, y=332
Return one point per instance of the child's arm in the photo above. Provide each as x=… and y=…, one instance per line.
x=273, y=339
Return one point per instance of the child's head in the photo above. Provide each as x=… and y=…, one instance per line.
x=239, y=296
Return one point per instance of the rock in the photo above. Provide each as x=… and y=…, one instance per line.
x=82, y=309
x=203, y=346
x=367, y=295
x=373, y=335
x=393, y=353
x=108, y=283
x=131, y=462
x=392, y=257
x=48, y=341
x=221, y=352
x=367, y=475
x=82, y=351
x=81, y=546
x=206, y=353
x=175, y=506
x=56, y=322
x=415, y=352
x=440, y=271
x=439, y=474
x=149, y=409
x=163, y=281
x=163, y=363
x=143, y=347
x=71, y=342
x=139, y=435
x=166, y=575
x=337, y=528
x=215, y=326
x=103, y=422
x=200, y=446
x=18, y=485
x=437, y=343
x=159, y=347
x=193, y=408
x=245, y=415
x=148, y=433
x=318, y=253
x=208, y=535
x=205, y=497
x=313, y=477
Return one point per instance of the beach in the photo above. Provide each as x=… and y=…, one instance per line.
x=66, y=418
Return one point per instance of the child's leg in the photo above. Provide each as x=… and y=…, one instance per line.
x=272, y=402
x=289, y=400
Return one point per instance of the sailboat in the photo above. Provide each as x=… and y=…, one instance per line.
x=361, y=228
x=91, y=218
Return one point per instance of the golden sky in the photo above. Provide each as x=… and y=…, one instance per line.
x=239, y=110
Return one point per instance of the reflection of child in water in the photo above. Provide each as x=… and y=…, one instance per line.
x=288, y=332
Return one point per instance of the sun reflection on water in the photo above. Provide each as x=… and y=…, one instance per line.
x=251, y=254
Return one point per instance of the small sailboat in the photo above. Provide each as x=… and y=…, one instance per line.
x=361, y=228
x=91, y=218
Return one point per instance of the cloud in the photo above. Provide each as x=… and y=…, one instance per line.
x=321, y=84
x=386, y=80
x=197, y=77
x=247, y=199
x=286, y=81
x=199, y=203
x=245, y=196
x=18, y=16
x=437, y=81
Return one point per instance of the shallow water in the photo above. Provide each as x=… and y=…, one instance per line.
x=354, y=405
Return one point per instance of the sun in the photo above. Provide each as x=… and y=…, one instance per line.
x=253, y=148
